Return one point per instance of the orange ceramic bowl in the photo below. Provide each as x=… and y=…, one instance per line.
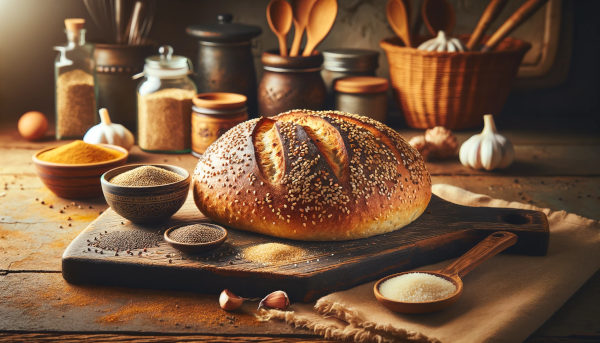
x=76, y=181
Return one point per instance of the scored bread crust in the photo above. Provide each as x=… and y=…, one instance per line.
x=310, y=175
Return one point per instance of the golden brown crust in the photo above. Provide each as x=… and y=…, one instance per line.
x=310, y=175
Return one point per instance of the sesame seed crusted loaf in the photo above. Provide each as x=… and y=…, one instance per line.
x=310, y=175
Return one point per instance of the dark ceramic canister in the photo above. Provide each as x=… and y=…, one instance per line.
x=115, y=67
x=290, y=83
x=225, y=62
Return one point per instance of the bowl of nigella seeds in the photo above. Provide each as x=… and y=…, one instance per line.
x=196, y=237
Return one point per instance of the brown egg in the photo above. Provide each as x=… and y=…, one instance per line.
x=33, y=125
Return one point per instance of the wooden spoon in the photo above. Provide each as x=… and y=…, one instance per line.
x=398, y=12
x=438, y=15
x=489, y=15
x=320, y=20
x=279, y=16
x=523, y=13
x=489, y=247
x=301, y=10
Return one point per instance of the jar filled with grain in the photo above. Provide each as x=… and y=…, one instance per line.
x=75, y=95
x=165, y=103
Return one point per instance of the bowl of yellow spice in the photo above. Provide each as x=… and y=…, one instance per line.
x=73, y=170
x=146, y=193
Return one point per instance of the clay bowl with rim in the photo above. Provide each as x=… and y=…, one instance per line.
x=146, y=204
x=195, y=247
x=76, y=181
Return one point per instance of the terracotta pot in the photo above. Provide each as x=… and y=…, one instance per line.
x=290, y=83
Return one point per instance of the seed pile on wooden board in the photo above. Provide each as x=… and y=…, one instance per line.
x=273, y=252
x=127, y=240
x=196, y=233
x=146, y=176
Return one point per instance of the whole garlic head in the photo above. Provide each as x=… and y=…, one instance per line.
x=108, y=132
x=443, y=43
x=488, y=150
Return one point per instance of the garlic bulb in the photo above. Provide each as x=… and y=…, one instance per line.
x=487, y=150
x=109, y=133
x=443, y=43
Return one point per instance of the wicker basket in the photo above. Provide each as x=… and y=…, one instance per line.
x=452, y=89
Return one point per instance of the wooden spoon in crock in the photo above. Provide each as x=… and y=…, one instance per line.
x=279, y=16
x=301, y=10
x=320, y=20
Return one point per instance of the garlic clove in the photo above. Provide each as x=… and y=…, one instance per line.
x=488, y=152
x=229, y=301
x=277, y=300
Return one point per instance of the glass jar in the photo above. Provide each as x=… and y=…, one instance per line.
x=290, y=83
x=339, y=63
x=364, y=95
x=213, y=115
x=165, y=103
x=74, y=72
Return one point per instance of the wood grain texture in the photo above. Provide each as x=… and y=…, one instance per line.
x=444, y=231
x=107, y=337
x=31, y=244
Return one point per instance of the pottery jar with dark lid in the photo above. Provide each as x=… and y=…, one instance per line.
x=290, y=83
x=225, y=62
x=213, y=114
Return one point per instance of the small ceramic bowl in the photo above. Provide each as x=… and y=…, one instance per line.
x=146, y=204
x=76, y=181
x=195, y=247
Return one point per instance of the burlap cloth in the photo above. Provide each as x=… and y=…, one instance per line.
x=505, y=299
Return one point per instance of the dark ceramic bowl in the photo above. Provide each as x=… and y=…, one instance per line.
x=146, y=204
x=76, y=181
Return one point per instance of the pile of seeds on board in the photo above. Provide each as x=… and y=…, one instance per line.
x=273, y=252
x=196, y=233
x=126, y=240
x=146, y=176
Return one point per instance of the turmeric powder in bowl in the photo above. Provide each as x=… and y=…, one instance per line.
x=79, y=152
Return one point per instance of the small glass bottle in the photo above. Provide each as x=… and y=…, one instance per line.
x=74, y=71
x=165, y=103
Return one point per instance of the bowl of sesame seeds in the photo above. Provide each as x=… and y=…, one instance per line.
x=146, y=193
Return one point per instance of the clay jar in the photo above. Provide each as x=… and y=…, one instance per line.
x=290, y=83
x=213, y=114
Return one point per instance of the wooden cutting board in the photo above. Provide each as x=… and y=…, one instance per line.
x=444, y=231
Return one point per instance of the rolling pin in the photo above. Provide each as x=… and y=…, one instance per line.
x=522, y=14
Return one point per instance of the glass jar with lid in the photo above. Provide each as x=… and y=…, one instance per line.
x=165, y=103
x=74, y=83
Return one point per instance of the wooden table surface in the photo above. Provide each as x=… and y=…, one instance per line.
x=555, y=170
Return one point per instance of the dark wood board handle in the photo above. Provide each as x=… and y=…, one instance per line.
x=523, y=13
x=484, y=250
x=490, y=14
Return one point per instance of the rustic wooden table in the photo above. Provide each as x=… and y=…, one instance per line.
x=555, y=170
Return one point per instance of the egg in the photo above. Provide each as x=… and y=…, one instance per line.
x=33, y=125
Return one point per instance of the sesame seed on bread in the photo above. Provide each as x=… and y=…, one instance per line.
x=310, y=175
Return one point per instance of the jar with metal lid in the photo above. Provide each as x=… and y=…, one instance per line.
x=290, y=83
x=165, y=103
x=225, y=62
x=338, y=63
x=364, y=95
x=213, y=115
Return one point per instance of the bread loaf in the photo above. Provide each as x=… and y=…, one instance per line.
x=309, y=175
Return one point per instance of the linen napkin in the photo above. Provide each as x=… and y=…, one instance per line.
x=504, y=300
